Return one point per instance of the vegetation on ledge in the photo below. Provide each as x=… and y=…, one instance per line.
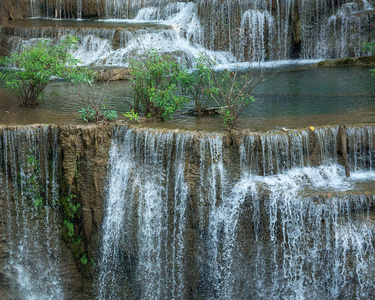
x=31, y=71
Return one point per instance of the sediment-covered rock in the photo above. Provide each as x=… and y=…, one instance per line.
x=113, y=74
x=13, y=10
x=348, y=61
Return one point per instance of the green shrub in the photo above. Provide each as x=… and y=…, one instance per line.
x=71, y=214
x=36, y=67
x=194, y=83
x=369, y=47
x=132, y=115
x=94, y=102
x=90, y=114
x=156, y=85
x=84, y=259
x=232, y=93
x=229, y=90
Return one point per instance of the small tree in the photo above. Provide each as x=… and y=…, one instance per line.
x=156, y=83
x=36, y=67
x=194, y=83
x=94, y=104
x=370, y=48
x=232, y=93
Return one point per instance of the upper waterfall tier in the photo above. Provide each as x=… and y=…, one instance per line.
x=247, y=30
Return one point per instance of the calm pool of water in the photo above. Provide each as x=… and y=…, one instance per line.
x=293, y=98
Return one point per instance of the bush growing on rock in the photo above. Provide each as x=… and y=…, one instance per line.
x=156, y=84
x=194, y=83
x=31, y=71
x=158, y=81
x=232, y=93
x=94, y=103
x=370, y=48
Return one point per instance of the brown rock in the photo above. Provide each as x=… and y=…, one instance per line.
x=348, y=61
x=113, y=74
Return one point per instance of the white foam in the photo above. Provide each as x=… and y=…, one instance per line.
x=267, y=64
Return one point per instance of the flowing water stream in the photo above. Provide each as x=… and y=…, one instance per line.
x=186, y=216
x=28, y=176
x=207, y=226
x=229, y=31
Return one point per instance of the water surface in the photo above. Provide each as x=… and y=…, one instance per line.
x=293, y=98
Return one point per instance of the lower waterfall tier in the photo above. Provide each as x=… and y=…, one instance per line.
x=112, y=212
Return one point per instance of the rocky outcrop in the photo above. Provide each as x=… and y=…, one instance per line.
x=348, y=61
x=13, y=10
x=84, y=153
x=113, y=74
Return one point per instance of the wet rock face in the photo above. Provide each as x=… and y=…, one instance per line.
x=348, y=61
x=5, y=284
x=13, y=10
x=37, y=261
x=84, y=152
x=50, y=163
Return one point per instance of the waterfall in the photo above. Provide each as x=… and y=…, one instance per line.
x=33, y=8
x=362, y=147
x=107, y=46
x=79, y=9
x=199, y=215
x=252, y=31
x=232, y=31
x=313, y=248
x=144, y=225
x=28, y=193
x=186, y=217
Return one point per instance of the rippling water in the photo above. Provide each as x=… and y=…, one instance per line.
x=294, y=97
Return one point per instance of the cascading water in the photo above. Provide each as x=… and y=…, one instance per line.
x=79, y=9
x=230, y=31
x=312, y=248
x=362, y=157
x=254, y=24
x=144, y=225
x=187, y=215
x=185, y=218
x=29, y=191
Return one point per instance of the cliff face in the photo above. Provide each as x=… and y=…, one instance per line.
x=13, y=10
x=84, y=156
x=44, y=167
